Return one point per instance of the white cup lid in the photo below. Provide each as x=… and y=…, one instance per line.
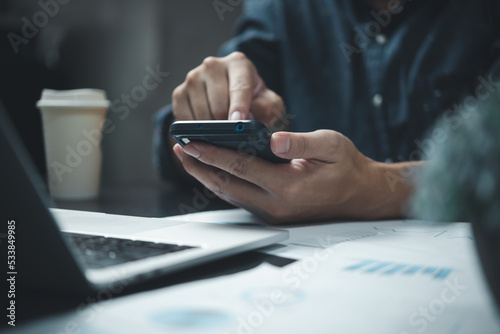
x=79, y=98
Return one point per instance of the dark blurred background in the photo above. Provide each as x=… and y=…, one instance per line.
x=106, y=44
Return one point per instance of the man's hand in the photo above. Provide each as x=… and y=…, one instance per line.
x=226, y=88
x=327, y=178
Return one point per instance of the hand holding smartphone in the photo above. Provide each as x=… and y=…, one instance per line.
x=248, y=137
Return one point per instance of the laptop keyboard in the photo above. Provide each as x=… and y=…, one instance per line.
x=99, y=252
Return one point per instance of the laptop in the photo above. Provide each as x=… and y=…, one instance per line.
x=74, y=263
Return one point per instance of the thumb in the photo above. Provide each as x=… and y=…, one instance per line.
x=320, y=145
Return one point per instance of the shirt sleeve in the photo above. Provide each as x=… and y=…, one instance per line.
x=162, y=154
x=493, y=71
x=256, y=36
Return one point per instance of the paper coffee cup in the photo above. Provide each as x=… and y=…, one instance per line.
x=72, y=123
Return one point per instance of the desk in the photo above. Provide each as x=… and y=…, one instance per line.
x=356, y=277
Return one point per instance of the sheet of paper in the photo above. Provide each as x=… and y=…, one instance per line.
x=304, y=240
x=382, y=284
x=391, y=285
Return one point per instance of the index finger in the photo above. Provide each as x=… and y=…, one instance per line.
x=245, y=166
x=241, y=78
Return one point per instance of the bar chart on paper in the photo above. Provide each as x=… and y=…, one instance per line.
x=387, y=268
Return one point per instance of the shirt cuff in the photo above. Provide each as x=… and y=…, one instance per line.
x=162, y=154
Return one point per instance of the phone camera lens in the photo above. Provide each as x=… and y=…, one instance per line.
x=239, y=127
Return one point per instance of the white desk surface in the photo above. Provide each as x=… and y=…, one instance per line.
x=359, y=277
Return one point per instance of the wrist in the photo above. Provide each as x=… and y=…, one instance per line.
x=389, y=188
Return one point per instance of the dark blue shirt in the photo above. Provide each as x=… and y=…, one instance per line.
x=379, y=77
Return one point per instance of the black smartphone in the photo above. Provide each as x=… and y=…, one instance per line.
x=247, y=137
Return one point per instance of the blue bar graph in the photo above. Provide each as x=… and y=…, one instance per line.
x=379, y=266
x=443, y=273
x=371, y=266
x=413, y=270
x=395, y=269
x=361, y=264
x=430, y=270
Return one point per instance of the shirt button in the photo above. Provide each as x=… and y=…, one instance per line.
x=381, y=39
x=377, y=100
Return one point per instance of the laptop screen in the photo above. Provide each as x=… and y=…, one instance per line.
x=43, y=260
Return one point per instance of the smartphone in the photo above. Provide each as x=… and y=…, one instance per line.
x=246, y=137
